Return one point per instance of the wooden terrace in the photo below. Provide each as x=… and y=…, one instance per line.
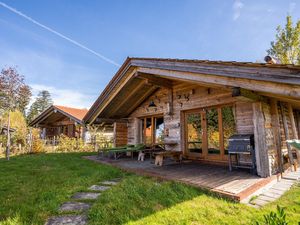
x=236, y=185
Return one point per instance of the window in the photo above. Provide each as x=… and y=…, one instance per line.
x=229, y=125
x=194, y=133
x=153, y=130
x=213, y=132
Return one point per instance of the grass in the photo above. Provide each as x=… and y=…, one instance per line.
x=32, y=188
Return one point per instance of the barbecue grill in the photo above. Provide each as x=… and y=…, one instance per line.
x=241, y=144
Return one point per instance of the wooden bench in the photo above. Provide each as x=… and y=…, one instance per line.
x=159, y=156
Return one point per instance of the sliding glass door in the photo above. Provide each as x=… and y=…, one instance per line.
x=207, y=131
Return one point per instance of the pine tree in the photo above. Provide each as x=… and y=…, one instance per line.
x=42, y=102
x=286, y=47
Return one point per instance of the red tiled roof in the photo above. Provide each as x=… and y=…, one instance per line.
x=77, y=113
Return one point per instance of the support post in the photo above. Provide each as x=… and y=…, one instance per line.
x=294, y=128
x=286, y=133
x=261, y=151
x=276, y=133
x=170, y=101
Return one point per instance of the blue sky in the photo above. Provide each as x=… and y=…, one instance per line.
x=237, y=30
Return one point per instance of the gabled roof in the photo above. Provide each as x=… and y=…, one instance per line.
x=74, y=114
x=210, y=72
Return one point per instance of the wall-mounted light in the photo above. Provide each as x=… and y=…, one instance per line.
x=151, y=104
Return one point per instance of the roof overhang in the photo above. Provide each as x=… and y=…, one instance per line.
x=56, y=114
x=130, y=86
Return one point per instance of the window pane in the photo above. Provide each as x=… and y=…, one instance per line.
x=159, y=129
x=213, y=135
x=229, y=126
x=142, y=138
x=148, y=132
x=194, y=132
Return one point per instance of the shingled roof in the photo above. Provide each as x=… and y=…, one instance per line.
x=73, y=113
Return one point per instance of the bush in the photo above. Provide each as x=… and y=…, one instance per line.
x=275, y=218
x=38, y=145
x=67, y=144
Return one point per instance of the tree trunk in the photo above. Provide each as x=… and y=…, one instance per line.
x=8, y=137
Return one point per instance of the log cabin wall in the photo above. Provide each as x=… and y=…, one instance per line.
x=269, y=139
x=186, y=97
x=283, y=109
x=120, y=134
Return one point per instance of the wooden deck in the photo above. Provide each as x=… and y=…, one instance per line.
x=236, y=185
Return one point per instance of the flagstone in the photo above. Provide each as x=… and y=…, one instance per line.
x=67, y=220
x=74, y=206
x=86, y=195
x=110, y=182
x=99, y=188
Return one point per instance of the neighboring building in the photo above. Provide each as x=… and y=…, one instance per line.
x=57, y=120
x=200, y=104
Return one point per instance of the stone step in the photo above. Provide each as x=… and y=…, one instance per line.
x=281, y=188
x=86, y=195
x=273, y=191
x=67, y=220
x=99, y=188
x=291, y=177
x=266, y=198
x=272, y=195
x=111, y=182
x=74, y=206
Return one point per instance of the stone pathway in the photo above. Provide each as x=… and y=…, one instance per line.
x=276, y=190
x=86, y=196
x=80, y=208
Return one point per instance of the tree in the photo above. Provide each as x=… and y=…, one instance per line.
x=14, y=93
x=42, y=102
x=18, y=123
x=286, y=47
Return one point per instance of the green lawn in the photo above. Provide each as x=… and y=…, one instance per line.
x=32, y=188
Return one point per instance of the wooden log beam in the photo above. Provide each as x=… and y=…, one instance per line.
x=247, y=95
x=261, y=150
x=154, y=80
x=109, y=120
x=108, y=95
x=276, y=132
x=133, y=92
x=149, y=91
x=294, y=101
x=255, y=85
x=286, y=133
x=294, y=128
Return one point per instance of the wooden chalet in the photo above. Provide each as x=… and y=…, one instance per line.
x=57, y=120
x=194, y=106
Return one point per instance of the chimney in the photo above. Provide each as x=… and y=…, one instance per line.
x=270, y=60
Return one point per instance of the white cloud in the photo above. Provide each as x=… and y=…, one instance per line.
x=65, y=97
x=237, y=7
x=68, y=83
